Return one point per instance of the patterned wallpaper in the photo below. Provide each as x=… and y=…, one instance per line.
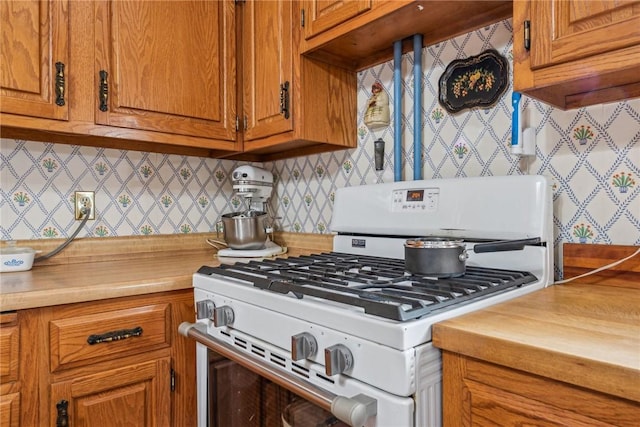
x=592, y=155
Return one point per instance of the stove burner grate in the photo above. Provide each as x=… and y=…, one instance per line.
x=380, y=286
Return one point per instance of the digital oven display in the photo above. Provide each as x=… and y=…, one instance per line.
x=415, y=195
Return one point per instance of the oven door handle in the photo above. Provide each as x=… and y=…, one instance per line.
x=355, y=411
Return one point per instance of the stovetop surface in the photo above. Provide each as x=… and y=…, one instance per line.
x=377, y=285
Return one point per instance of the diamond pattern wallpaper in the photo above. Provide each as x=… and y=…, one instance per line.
x=591, y=154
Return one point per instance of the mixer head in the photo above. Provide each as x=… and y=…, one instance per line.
x=252, y=182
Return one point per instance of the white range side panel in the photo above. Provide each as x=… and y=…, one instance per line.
x=502, y=207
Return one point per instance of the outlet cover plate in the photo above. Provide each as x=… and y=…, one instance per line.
x=85, y=199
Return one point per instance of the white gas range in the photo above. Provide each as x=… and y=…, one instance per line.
x=350, y=330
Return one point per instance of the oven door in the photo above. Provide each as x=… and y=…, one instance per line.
x=236, y=396
x=245, y=382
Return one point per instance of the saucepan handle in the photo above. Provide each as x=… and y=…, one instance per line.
x=505, y=245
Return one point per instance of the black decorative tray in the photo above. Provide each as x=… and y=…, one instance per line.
x=477, y=81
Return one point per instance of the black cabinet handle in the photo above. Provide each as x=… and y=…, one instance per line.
x=284, y=99
x=60, y=84
x=62, y=420
x=114, y=335
x=104, y=90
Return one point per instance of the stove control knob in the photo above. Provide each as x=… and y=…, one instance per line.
x=204, y=309
x=223, y=316
x=337, y=359
x=303, y=346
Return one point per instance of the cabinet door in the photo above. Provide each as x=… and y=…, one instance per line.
x=10, y=410
x=137, y=395
x=321, y=15
x=9, y=361
x=167, y=66
x=34, y=58
x=566, y=30
x=478, y=393
x=267, y=54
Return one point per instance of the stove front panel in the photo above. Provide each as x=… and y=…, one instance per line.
x=374, y=364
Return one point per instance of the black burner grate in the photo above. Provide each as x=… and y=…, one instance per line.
x=380, y=286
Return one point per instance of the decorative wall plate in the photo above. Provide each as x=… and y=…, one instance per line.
x=477, y=81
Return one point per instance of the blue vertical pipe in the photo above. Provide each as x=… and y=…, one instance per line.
x=397, y=110
x=417, y=106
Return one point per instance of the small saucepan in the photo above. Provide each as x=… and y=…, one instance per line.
x=444, y=257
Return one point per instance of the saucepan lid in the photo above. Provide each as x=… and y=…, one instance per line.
x=434, y=242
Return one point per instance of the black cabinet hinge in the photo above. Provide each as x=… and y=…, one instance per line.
x=284, y=99
x=302, y=18
x=173, y=380
x=527, y=34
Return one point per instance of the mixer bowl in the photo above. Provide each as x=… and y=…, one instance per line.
x=245, y=230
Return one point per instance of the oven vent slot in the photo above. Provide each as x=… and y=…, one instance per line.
x=226, y=334
x=240, y=342
x=327, y=379
x=258, y=350
x=278, y=360
x=300, y=370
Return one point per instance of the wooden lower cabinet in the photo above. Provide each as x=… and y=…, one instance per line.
x=115, y=362
x=479, y=393
x=9, y=359
x=135, y=395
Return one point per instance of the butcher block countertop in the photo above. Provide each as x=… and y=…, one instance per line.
x=585, y=333
x=95, y=269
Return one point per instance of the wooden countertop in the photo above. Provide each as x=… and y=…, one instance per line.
x=586, y=334
x=125, y=272
x=64, y=284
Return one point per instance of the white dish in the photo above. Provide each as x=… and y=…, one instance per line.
x=15, y=258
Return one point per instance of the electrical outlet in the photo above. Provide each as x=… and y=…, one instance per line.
x=85, y=200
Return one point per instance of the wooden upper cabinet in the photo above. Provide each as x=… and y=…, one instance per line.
x=34, y=38
x=582, y=52
x=293, y=105
x=566, y=30
x=267, y=67
x=167, y=66
x=321, y=15
x=359, y=34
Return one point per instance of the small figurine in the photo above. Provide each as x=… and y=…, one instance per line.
x=377, y=114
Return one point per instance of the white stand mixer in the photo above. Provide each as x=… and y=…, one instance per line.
x=255, y=185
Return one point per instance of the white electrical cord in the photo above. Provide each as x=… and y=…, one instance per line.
x=87, y=213
x=597, y=270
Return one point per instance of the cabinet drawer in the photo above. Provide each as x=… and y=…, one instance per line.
x=91, y=338
x=9, y=340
